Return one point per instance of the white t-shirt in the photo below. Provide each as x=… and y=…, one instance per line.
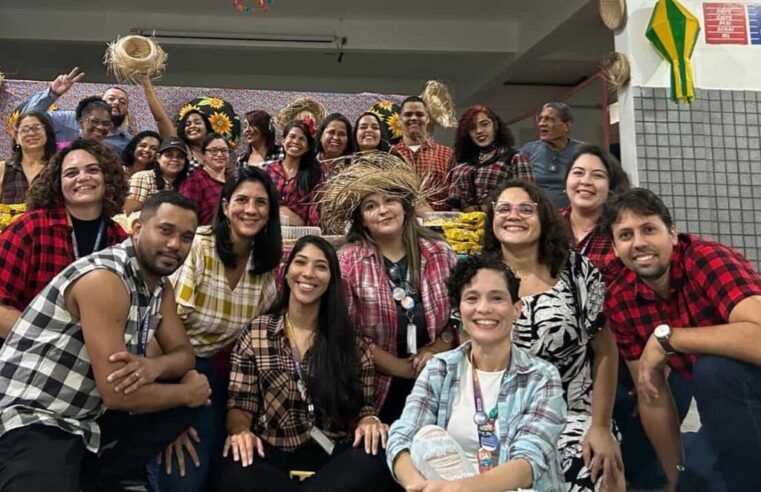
x=461, y=426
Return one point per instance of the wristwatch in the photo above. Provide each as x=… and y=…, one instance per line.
x=446, y=336
x=663, y=334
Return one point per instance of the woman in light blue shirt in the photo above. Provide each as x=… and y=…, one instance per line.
x=487, y=415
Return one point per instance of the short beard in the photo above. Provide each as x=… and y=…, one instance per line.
x=118, y=120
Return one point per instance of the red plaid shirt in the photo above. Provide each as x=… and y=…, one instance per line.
x=34, y=249
x=432, y=161
x=474, y=184
x=598, y=247
x=203, y=190
x=300, y=202
x=708, y=280
x=373, y=310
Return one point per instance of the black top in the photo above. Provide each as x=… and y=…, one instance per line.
x=418, y=317
x=86, y=232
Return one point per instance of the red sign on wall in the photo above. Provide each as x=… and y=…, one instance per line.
x=725, y=23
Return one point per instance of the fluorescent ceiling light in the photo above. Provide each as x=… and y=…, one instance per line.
x=231, y=39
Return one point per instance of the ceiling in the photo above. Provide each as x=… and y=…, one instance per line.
x=509, y=54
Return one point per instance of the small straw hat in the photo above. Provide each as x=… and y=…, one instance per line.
x=133, y=56
x=613, y=13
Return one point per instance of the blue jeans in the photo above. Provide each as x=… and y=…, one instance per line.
x=209, y=422
x=728, y=395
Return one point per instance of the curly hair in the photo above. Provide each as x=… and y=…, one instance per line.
x=50, y=143
x=554, y=240
x=465, y=150
x=128, y=154
x=45, y=191
x=466, y=269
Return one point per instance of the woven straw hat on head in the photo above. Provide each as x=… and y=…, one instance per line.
x=617, y=71
x=370, y=172
x=133, y=56
x=438, y=100
x=613, y=13
x=296, y=109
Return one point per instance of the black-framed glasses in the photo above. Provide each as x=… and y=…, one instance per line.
x=220, y=151
x=25, y=130
x=524, y=209
x=100, y=123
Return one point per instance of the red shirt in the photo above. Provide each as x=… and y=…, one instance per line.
x=432, y=161
x=708, y=280
x=203, y=190
x=301, y=202
x=35, y=248
x=597, y=245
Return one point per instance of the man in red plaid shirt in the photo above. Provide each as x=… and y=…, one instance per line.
x=695, y=305
x=432, y=161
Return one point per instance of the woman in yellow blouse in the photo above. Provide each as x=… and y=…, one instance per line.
x=227, y=280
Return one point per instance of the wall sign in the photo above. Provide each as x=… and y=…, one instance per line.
x=725, y=23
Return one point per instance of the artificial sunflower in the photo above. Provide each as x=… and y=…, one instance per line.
x=184, y=110
x=220, y=123
x=387, y=105
x=214, y=102
x=12, y=121
x=394, y=123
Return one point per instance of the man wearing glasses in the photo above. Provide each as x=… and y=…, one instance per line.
x=66, y=124
x=551, y=155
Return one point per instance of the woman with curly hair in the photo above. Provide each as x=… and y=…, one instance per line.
x=562, y=321
x=140, y=153
x=297, y=175
x=69, y=210
x=258, y=128
x=486, y=157
x=33, y=146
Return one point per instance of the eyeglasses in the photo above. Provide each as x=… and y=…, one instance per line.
x=218, y=151
x=24, y=130
x=100, y=123
x=525, y=209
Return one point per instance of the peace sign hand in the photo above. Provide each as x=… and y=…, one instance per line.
x=63, y=82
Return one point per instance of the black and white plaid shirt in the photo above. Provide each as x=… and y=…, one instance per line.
x=45, y=372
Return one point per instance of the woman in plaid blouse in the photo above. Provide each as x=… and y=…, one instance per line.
x=301, y=390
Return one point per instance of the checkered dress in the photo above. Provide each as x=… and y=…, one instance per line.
x=45, y=372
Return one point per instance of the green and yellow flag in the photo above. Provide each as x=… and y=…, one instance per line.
x=673, y=30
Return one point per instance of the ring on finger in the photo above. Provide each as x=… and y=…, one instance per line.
x=137, y=374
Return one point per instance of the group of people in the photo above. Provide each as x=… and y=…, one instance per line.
x=198, y=353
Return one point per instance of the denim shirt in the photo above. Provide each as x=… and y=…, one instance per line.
x=531, y=411
x=550, y=167
x=65, y=125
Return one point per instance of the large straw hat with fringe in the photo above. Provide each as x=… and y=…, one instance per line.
x=617, y=71
x=296, y=109
x=370, y=172
x=132, y=57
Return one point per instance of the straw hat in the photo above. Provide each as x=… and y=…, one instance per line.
x=133, y=56
x=617, y=71
x=439, y=103
x=613, y=13
x=301, y=108
x=370, y=172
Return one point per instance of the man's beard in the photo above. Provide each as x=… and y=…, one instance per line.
x=117, y=120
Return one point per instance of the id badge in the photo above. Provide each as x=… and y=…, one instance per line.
x=485, y=462
x=323, y=440
x=411, y=338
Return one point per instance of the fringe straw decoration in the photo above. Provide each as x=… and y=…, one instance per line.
x=303, y=104
x=132, y=57
x=370, y=172
x=613, y=14
x=2, y=79
x=617, y=71
x=439, y=101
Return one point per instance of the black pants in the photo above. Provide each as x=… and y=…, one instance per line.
x=41, y=458
x=347, y=470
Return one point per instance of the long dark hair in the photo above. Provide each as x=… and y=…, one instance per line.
x=308, y=175
x=350, y=147
x=334, y=385
x=161, y=182
x=50, y=143
x=262, y=121
x=554, y=238
x=383, y=145
x=128, y=154
x=618, y=180
x=268, y=242
x=465, y=150
x=182, y=121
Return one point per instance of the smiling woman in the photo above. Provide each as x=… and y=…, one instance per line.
x=204, y=186
x=33, y=146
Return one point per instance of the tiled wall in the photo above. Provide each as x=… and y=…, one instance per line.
x=704, y=160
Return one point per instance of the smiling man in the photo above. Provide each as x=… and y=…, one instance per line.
x=551, y=154
x=694, y=305
x=431, y=160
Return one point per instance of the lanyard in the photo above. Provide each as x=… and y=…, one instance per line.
x=297, y=361
x=402, y=294
x=98, y=239
x=486, y=425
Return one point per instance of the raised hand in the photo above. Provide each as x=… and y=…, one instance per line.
x=64, y=81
